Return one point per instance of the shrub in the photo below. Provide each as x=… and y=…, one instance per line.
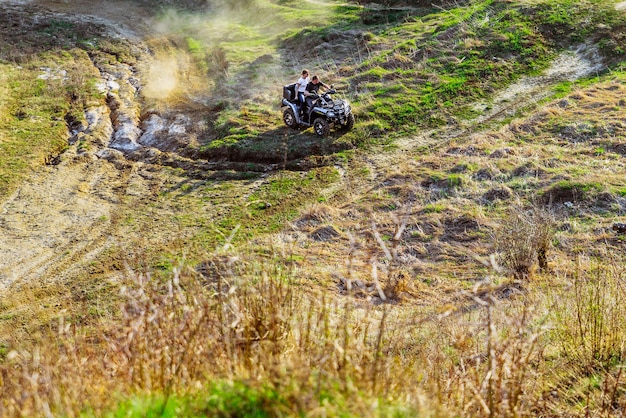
x=523, y=240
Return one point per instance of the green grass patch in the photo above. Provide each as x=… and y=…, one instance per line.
x=221, y=399
x=277, y=200
x=39, y=100
x=414, y=73
x=434, y=208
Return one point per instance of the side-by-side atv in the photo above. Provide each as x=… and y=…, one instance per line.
x=321, y=112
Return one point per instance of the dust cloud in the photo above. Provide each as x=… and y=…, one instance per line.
x=224, y=45
x=162, y=79
x=182, y=67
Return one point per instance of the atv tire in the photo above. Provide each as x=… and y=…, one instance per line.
x=290, y=118
x=349, y=123
x=321, y=127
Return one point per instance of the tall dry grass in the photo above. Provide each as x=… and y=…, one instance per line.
x=589, y=336
x=501, y=351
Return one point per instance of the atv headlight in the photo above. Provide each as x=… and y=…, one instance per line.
x=331, y=114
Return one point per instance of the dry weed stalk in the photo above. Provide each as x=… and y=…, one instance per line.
x=238, y=320
x=588, y=339
x=593, y=319
x=494, y=376
x=394, y=284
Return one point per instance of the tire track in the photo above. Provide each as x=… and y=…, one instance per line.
x=54, y=220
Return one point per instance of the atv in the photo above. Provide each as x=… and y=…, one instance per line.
x=319, y=111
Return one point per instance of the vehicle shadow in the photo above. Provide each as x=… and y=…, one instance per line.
x=284, y=147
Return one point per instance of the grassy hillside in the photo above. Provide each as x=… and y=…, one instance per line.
x=458, y=253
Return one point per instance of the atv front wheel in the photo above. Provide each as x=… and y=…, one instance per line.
x=349, y=123
x=321, y=127
x=290, y=118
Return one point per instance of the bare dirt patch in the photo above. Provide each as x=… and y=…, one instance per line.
x=59, y=220
x=582, y=61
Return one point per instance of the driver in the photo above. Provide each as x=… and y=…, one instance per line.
x=312, y=90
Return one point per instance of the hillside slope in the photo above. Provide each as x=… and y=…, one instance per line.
x=481, y=190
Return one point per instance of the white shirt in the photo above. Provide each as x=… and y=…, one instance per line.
x=301, y=84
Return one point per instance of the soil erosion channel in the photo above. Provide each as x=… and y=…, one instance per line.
x=65, y=215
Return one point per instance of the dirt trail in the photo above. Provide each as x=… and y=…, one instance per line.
x=64, y=216
x=56, y=218
x=581, y=61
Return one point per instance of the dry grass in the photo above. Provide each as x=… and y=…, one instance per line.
x=497, y=351
x=524, y=239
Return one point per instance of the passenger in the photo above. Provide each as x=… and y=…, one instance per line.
x=301, y=84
